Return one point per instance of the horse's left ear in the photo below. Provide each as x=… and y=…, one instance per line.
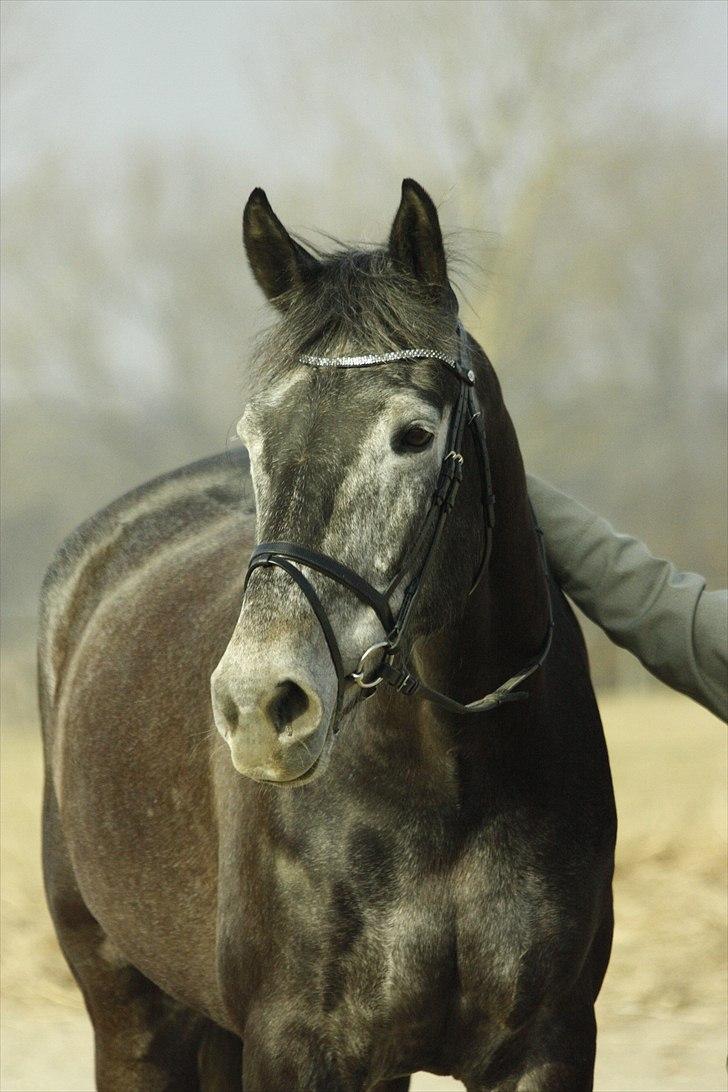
x=415, y=241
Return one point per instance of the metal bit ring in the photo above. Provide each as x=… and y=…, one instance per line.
x=359, y=676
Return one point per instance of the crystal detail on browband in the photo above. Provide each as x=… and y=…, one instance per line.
x=379, y=358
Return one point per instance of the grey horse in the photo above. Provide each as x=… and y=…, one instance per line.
x=267, y=883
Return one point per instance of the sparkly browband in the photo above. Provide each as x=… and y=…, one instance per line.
x=380, y=358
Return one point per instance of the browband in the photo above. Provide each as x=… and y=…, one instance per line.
x=368, y=360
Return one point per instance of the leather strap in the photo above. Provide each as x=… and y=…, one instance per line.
x=329, y=566
x=317, y=607
x=404, y=680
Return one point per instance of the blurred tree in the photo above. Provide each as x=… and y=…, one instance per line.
x=620, y=322
x=122, y=342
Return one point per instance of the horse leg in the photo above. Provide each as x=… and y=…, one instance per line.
x=562, y=1056
x=220, y=1061
x=557, y=1056
x=563, y=1059
x=145, y=1041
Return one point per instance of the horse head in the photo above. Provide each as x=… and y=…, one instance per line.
x=344, y=462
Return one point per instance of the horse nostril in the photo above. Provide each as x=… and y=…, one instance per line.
x=288, y=703
x=229, y=710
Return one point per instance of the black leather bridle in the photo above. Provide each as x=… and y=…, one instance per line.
x=392, y=667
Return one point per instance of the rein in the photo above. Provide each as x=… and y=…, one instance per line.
x=391, y=667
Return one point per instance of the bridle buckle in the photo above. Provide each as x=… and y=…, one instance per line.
x=360, y=676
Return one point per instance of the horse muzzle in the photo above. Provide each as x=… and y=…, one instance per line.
x=274, y=722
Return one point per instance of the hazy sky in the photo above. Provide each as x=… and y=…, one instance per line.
x=170, y=70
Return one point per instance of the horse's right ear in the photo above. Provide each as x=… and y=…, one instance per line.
x=279, y=264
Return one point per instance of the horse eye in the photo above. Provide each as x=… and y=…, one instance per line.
x=416, y=438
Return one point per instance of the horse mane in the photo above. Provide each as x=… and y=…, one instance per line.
x=358, y=302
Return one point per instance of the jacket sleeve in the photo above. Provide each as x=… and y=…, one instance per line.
x=666, y=618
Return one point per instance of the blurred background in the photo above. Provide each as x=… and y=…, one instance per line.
x=577, y=154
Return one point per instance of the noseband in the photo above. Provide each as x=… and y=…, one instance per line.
x=384, y=661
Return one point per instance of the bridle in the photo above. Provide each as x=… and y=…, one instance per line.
x=392, y=667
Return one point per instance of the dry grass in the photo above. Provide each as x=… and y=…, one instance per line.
x=662, y=1010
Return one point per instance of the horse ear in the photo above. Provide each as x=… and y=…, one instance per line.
x=279, y=264
x=415, y=241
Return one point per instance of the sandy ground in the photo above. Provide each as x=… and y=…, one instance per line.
x=662, y=1010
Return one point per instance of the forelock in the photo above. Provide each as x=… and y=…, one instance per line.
x=359, y=303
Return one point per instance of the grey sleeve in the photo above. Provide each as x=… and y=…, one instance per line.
x=666, y=618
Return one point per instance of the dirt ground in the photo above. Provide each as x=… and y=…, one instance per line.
x=662, y=1012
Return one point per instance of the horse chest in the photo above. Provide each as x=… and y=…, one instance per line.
x=401, y=961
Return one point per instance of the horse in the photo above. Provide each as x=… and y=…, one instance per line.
x=288, y=843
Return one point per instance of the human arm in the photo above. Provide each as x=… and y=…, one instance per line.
x=666, y=618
